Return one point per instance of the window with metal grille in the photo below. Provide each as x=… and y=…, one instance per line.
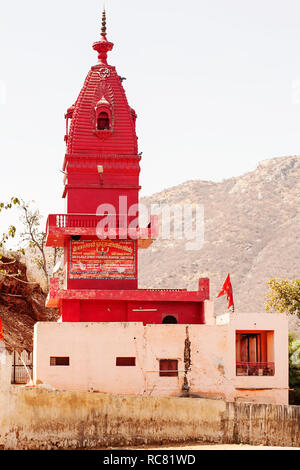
x=168, y=368
x=125, y=361
x=59, y=361
x=255, y=353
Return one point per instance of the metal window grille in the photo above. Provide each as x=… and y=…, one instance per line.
x=19, y=374
x=255, y=368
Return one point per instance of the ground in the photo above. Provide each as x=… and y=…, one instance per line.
x=195, y=447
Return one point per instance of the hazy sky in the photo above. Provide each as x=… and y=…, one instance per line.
x=215, y=84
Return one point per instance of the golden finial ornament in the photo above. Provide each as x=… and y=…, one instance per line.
x=103, y=29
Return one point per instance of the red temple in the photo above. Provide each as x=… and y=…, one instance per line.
x=99, y=231
x=112, y=338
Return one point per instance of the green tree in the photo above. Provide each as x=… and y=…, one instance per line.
x=283, y=296
x=294, y=370
x=10, y=233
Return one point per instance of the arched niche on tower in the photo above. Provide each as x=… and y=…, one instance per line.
x=103, y=118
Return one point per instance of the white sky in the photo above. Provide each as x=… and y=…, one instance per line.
x=211, y=81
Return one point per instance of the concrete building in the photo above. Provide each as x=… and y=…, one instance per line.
x=174, y=360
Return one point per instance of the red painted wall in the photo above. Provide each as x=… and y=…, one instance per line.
x=86, y=201
x=118, y=311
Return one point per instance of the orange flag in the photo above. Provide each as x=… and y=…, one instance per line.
x=227, y=290
x=1, y=330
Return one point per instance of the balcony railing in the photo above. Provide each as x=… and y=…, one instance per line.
x=86, y=220
x=102, y=225
x=255, y=368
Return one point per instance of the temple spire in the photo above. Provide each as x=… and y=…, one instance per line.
x=103, y=29
x=103, y=46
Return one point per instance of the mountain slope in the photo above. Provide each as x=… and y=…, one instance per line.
x=251, y=231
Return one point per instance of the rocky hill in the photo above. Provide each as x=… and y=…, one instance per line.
x=22, y=303
x=251, y=231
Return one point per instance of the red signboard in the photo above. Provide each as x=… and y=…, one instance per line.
x=102, y=259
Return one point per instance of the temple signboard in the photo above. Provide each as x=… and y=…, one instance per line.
x=102, y=259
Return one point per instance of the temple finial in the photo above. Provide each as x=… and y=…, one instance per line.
x=103, y=46
x=103, y=29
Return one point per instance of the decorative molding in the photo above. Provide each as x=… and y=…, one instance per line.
x=103, y=73
x=104, y=93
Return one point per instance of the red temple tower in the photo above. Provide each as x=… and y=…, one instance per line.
x=100, y=232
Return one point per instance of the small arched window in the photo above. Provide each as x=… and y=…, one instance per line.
x=103, y=121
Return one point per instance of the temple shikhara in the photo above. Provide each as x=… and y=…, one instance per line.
x=112, y=336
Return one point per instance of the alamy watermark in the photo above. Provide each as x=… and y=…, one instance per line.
x=173, y=222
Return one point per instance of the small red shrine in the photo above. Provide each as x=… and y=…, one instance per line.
x=100, y=232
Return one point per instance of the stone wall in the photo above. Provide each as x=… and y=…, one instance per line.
x=5, y=367
x=36, y=418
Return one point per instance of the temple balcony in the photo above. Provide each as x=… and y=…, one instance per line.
x=61, y=226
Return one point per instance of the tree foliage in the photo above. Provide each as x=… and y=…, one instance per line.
x=11, y=232
x=294, y=370
x=283, y=296
x=33, y=236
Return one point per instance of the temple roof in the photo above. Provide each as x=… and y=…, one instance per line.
x=102, y=83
